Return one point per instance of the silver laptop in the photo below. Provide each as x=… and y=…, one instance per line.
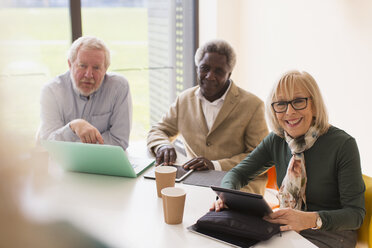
x=96, y=158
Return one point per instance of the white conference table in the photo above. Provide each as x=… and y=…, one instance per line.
x=126, y=212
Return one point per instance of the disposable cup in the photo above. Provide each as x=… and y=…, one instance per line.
x=173, y=204
x=165, y=177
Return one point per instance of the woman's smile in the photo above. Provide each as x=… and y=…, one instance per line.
x=293, y=122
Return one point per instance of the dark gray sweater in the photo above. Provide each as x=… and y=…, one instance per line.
x=335, y=186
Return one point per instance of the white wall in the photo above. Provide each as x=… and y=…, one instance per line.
x=330, y=39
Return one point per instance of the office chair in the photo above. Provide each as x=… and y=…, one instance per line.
x=272, y=187
x=365, y=231
x=271, y=179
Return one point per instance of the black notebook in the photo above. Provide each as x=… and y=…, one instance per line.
x=231, y=240
x=205, y=178
x=241, y=224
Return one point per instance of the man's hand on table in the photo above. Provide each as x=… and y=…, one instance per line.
x=199, y=163
x=166, y=155
x=86, y=132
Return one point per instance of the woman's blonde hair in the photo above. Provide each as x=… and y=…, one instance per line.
x=286, y=86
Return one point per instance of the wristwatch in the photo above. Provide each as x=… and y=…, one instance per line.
x=319, y=223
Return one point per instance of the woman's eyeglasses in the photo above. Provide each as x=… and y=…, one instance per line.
x=297, y=104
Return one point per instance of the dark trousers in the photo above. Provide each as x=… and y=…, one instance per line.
x=331, y=239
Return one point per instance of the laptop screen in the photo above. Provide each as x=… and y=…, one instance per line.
x=94, y=158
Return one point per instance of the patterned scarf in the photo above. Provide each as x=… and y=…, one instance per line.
x=292, y=191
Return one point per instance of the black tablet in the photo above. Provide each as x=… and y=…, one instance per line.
x=243, y=201
x=180, y=175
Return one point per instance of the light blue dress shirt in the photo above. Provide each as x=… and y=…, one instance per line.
x=109, y=109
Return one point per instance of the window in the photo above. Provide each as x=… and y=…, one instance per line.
x=32, y=51
x=123, y=27
x=172, y=45
x=152, y=44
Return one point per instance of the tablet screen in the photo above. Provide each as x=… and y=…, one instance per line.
x=243, y=201
x=180, y=175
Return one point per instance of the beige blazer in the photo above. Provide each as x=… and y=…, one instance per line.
x=239, y=127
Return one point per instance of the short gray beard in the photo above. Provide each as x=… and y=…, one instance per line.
x=78, y=90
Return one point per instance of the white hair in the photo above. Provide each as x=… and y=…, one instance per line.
x=217, y=46
x=88, y=42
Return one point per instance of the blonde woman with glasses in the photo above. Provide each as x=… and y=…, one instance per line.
x=321, y=190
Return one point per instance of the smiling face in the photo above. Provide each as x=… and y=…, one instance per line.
x=295, y=122
x=88, y=70
x=213, y=76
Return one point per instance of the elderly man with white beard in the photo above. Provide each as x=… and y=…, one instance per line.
x=87, y=103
